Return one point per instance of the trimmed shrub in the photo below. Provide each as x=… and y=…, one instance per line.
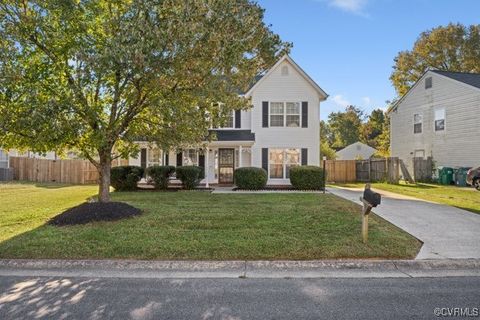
x=250, y=178
x=160, y=175
x=307, y=177
x=190, y=176
x=125, y=178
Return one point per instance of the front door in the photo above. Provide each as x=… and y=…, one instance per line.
x=226, y=165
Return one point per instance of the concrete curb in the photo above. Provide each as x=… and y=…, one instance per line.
x=241, y=269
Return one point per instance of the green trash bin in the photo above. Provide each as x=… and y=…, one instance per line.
x=461, y=176
x=446, y=176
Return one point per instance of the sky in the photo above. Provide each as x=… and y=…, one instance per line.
x=348, y=46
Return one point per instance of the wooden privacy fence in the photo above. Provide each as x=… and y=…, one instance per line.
x=423, y=169
x=341, y=171
x=61, y=171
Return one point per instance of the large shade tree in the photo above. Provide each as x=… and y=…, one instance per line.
x=94, y=75
x=454, y=47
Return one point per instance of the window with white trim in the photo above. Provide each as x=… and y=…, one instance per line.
x=417, y=123
x=190, y=157
x=293, y=114
x=280, y=162
x=284, y=114
x=440, y=119
x=230, y=123
x=154, y=156
x=277, y=111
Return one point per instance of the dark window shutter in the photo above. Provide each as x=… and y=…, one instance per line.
x=304, y=114
x=201, y=160
x=238, y=119
x=304, y=156
x=179, y=159
x=265, y=159
x=143, y=158
x=265, y=114
x=166, y=155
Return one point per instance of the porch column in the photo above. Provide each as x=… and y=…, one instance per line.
x=240, y=156
x=207, y=164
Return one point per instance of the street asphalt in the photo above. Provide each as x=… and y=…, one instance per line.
x=27, y=297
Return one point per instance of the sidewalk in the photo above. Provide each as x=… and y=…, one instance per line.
x=446, y=232
x=241, y=269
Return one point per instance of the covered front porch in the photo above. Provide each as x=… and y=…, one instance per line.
x=218, y=158
x=222, y=158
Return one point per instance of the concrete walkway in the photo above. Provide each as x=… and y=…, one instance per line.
x=447, y=232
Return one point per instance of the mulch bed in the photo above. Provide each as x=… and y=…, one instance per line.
x=171, y=188
x=275, y=188
x=95, y=211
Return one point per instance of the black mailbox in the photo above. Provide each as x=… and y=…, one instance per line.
x=371, y=197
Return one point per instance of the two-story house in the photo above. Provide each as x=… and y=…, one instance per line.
x=438, y=117
x=281, y=130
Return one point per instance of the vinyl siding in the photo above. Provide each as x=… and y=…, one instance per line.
x=457, y=145
x=280, y=88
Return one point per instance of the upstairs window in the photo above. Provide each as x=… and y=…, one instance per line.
x=230, y=123
x=440, y=119
x=284, y=71
x=284, y=114
x=428, y=83
x=293, y=114
x=417, y=123
x=277, y=111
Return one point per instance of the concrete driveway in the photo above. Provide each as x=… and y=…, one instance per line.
x=447, y=232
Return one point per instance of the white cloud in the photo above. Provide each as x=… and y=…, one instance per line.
x=341, y=101
x=353, y=6
x=367, y=101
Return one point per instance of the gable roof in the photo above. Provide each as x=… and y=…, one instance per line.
x=286, y=57
x=471, y=79
x=354, y=150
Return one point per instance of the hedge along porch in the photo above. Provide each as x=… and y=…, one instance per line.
x=220, y=159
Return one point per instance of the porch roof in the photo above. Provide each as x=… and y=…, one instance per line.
x=233, y=135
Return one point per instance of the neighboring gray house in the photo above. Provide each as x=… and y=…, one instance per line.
x=355, y=151
x=439, y=117
x=3, y=159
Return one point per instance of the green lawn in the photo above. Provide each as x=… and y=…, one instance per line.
x=195, y=225
x=463, y=198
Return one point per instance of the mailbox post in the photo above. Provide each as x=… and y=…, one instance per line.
x=370, y=200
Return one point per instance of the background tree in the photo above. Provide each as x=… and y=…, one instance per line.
x=327, y=151
x=451, y=48
x=345, y=127
x=373, y=128
x=95, y=75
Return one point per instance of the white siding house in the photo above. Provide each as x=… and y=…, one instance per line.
x=281, y=130
x=438, y=117
x=355, y=151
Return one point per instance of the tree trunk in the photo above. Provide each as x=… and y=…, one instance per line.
x=104, y=185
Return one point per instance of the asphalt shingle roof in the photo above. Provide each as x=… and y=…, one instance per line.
x=234, y=135
x=472, y=79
